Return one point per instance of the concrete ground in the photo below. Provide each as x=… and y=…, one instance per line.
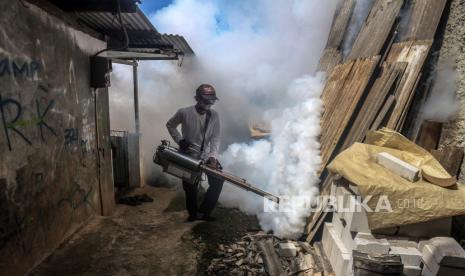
x=149, y=239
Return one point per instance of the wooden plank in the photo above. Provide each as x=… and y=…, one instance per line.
x=451, y=159
x=376, y=29
x=414, y=53
x=383, y=85
x=330, y=58
x=340, y=23
x=424, y=19
x=341, y=94
x=270, y=258
x=388, y=105
x=430, y=133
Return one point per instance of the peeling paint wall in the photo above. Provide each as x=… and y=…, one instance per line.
x=53, y=165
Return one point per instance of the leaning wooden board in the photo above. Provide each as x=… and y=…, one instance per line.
x=383, y=85
x=340, y=23
x=414, y=53
x=376, y=29
x=343, y=90
x=424, y=19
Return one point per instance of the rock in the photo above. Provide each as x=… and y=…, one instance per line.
x=240, y=262
x=287, y=250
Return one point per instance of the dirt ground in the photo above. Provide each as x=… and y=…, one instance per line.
x=149, y=239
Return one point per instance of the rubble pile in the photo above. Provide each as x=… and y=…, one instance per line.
x=260, y=253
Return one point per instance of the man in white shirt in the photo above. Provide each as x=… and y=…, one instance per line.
x=200, y=128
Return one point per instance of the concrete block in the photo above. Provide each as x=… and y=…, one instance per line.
x=339, y=256
x=398, y=166
x=326, y=239
x=432, y=267
x=367, y=244
x=410, y=256
x=412, y=271
x=402, y=242
x=441, y=247
x=338, y=223
x=435, y=250
x=287, y=249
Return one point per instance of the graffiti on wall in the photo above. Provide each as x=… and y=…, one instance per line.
x=27, y=69
x=11, y=118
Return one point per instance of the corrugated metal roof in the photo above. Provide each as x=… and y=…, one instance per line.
x=178, y=42
x=102, y=21
x=142, y=34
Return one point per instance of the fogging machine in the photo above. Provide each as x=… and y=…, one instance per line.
x=190, y=169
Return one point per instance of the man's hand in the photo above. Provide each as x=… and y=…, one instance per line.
x=184, y=144
x=213, y=163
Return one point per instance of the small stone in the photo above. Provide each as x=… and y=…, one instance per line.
x=221, y=247
x=240, y=262
x=287, y=250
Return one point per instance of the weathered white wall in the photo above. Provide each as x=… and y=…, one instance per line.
x=49, y=179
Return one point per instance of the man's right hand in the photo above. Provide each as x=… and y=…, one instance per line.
x=184, y=144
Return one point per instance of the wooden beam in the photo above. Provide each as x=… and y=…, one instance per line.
x=430, y=133
x=414, y=53
x=340, y=23
x=376, y=29
x=270, y=258
x=424, y=19
x=451, y=158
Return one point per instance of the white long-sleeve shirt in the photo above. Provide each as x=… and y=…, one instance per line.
x=192, y=129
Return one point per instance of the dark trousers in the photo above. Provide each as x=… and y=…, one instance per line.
x=215, y=185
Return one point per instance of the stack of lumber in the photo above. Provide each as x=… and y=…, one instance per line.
x=374, y=84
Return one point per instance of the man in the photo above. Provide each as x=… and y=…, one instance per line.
x=200, y=127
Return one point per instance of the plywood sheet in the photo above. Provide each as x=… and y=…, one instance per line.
x=340, y=22
x=343, y=90
x=414, y=53
x=376, y=29
x=424, y=19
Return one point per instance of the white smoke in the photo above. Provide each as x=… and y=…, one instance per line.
x=286, y=165
x=252, y=52
x=442, y=104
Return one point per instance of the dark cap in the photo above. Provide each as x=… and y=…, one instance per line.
x=206, y=91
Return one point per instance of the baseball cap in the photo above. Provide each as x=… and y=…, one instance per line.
x=206, y=91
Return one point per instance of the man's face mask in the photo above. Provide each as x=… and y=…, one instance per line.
x=206, y=104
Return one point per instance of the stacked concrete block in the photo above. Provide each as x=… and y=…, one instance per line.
x=338, y=254
x=442, y=254
x=411, y=258
x=367, y=243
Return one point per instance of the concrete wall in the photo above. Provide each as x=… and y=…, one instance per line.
x=55, y=170
x=453, y=48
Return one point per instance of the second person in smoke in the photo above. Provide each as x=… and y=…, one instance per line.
x=200, y=129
